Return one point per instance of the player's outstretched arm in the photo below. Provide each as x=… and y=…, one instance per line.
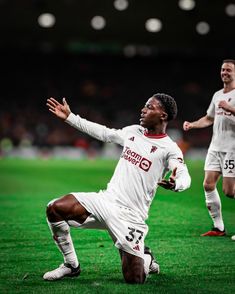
x=60, y=110
x=170, y=183
x=203, y=122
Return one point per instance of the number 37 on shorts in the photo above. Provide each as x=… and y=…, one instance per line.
x=134, y=235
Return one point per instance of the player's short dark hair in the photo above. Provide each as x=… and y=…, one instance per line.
x=168, y=103
x=229, y=61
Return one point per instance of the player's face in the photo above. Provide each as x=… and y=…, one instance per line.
x=228, y=73
x=152, y=114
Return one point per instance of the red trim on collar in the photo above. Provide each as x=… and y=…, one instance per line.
x=159, y=136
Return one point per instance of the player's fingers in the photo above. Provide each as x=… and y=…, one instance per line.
x=51, y=102
x=163, y=182
x=52, y=106
x=184, y=125
x=54, y=101
x=52, y=110
x=172, y=177
x=64, y=101
x=174, y=172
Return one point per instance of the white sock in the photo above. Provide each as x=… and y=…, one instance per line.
x=61, y=234
x=213, y=204
x=147, y=261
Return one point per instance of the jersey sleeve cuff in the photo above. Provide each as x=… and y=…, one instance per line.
x=71, y=119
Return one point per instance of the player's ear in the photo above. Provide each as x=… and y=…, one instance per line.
x=164, y=115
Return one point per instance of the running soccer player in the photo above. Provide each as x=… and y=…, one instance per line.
x=148, y=153
x=220, y=158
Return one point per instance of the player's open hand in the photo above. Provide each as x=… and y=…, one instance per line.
x=60, y=110
x=170, y=183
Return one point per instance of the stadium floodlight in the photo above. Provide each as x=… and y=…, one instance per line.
x=186, y=4
x=46, y=20
x=121, y=4
x=98, y=22
x=202, y=28
x=153, y=25
x=230, y=9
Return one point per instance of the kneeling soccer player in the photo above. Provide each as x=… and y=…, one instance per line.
x=148, y=153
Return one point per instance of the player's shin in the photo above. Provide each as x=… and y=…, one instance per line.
x=61, y=235
x=213, y=204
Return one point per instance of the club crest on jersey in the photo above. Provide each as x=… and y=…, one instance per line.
x=132, y=138
x=136, y=159
x=153, y=149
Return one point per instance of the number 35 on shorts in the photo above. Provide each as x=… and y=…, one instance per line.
x=229, y=164
x=134, y=235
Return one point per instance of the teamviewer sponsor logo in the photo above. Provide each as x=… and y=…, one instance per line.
x=145, y=164
x=136, y=159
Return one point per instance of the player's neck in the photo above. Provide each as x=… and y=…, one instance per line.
x=157, y=130
x=229, y=87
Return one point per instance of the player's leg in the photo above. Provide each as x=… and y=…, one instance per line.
x=58, y=213
x=228, y=160
x=128, y=232
x=229, y=190
x=229, y=187
x=136, y=269
x=132, y=268
x=228, y=171
x=213, y=203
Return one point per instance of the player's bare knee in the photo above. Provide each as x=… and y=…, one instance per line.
x=208, y=187
x=49, y=210
x=52, y=209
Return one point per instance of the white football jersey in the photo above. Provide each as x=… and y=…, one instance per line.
x=223, y=138
x=143, y=163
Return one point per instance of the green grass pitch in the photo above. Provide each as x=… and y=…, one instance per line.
x=189, y=263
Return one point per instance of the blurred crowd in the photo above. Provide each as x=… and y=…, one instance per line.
x=110, y=90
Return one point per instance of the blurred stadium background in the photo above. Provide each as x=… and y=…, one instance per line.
x=107, y=57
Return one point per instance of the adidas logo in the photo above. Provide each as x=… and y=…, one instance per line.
x=137, y=247
x=131, y=138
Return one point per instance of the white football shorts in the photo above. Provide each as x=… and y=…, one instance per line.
x=223, y=162
x=125, y=227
